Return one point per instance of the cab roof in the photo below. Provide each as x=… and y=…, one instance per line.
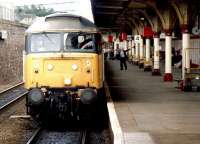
x=62, y=22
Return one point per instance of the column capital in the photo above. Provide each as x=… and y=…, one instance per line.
x=184, y=28
x=148, y=37
x=168, y=32
x=156, y=34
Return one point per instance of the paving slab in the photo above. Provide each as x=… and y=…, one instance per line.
x=151, y=111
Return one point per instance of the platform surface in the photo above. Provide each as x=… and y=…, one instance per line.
x=151, y=111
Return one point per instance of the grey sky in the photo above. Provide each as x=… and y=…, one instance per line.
x=80, y=7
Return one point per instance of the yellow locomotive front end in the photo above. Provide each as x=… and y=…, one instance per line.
x=63, y=70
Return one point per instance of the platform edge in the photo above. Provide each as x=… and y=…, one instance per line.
x=115, y=127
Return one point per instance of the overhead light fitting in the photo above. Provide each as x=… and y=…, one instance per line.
x=142, y=18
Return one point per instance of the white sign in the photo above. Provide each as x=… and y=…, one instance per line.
x=129, y=37
x=137, y=38
x=3, y=34
x=196, y=31
x=162, y=35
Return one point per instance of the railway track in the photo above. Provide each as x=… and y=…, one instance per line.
x=11, y=95
x=33, y=138
x=10, y=88
x=43, y=136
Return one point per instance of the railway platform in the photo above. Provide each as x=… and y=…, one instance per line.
x=150, y=111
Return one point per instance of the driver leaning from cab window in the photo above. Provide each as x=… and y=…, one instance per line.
x=87, y=44
x=74, y=41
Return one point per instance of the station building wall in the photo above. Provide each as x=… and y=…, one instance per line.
x=11, y=49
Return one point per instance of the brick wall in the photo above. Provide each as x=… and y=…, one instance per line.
x=11, y=51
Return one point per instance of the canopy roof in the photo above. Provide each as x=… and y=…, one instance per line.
x=132, y=15
x=106, y=13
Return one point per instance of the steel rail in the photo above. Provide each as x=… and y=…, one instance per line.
x=12, y=87
x=34, y=136
x=13, y=101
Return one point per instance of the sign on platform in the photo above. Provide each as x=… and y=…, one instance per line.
x=196, y=30
x=137, y=38
x=129, y=37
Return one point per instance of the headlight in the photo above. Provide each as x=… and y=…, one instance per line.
x=67, y=81
x=74, y=67
x=50, y=67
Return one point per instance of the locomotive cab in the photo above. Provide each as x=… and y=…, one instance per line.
x=63, y=66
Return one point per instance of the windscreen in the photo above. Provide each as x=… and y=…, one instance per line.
x=63, y=42
x=45, y=42
x=79, y=42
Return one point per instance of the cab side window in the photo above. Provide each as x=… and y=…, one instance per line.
x=98, y=42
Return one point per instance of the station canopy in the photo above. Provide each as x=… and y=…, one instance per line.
x=109, y=14
x=128, y=15
x=106, y=12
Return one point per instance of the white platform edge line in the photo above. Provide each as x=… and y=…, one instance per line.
x=114, y=122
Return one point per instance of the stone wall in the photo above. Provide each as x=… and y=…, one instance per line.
x=11, y=51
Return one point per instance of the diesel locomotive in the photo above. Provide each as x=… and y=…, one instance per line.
x=63, y=66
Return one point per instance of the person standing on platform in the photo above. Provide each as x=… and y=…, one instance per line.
x=121, y=56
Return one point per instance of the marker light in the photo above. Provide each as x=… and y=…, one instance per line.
x=50, y=67
x=74, y=67
x=67, y=81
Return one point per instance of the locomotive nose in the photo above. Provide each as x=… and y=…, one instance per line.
x=35, y=97
x=88, y=96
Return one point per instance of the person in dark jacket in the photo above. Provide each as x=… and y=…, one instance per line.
x=121, y=55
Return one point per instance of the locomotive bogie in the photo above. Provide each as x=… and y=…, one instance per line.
x=60, y=103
